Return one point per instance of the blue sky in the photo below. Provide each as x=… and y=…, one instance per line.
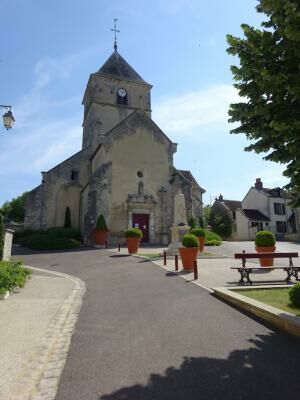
x=49, y=48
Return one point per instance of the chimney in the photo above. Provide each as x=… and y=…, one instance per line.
x=258, y=184
x=220, y=197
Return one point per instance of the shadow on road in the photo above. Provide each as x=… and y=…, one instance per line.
x=260, y=372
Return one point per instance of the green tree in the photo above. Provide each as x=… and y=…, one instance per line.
x=1, y=235
x=14, y=209
x=268, y=78
x=221, y=224
x=67, y=223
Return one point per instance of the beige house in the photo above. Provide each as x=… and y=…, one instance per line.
x=125, y=167
x=261, y=209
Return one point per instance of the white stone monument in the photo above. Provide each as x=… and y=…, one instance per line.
x=180, y=226
x=8, y=239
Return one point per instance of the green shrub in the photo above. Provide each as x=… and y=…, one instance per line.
x=212, y=236
x=1, y=236
x=192, y=222
x=294, y=294
x=190, y=240
x=101, y=223
x=265, y=239
x=213, y=242
x=49, y=242
x=12, y=275
x=199, y=232
x=134, y=232
x=60, y=232
x=27, y=232
x=67, y=223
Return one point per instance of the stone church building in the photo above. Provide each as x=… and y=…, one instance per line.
x=125, y=168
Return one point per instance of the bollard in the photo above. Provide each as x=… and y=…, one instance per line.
x=106, y=244
x=195, y=270
x=176, y=262
x=165, y=258
x=119, y=248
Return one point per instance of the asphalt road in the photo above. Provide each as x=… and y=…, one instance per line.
x=146, y=334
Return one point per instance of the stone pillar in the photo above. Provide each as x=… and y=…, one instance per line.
x=180, y=226
x=8, y=238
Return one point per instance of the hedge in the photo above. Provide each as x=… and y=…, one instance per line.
x=49, y=242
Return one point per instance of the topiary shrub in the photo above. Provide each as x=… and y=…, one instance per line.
x=49, y=242
x=101, y=223
x=190, y=240
x=294, y=294
x=133, y=232
x=67, y=223
x=199, y=232
x=192, y=222
x=212, y=236
x=60, y=232
x=265, y=239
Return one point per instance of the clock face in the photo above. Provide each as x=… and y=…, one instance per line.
x=122, y=92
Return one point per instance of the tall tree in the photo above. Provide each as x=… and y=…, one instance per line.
x=268, y=77
x=14, y=209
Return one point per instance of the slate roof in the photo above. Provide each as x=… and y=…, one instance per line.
x=117, y=67
x=276, y=192
x=255, y=215
x=190, y=178
x=233, y=205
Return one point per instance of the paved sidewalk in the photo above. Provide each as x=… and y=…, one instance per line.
x=213, y=271
x=30, y=323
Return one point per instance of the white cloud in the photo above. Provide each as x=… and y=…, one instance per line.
x=183, y=114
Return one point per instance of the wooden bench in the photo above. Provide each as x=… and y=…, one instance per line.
x=245, y=271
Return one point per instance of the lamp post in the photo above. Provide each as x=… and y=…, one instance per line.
x=8, y=118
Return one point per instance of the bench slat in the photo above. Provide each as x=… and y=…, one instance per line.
x=265, y=255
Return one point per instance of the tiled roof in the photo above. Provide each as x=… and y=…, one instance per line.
x=255, y=215
x=277, y=192
x=117, y=67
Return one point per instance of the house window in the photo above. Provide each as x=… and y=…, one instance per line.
x=258, y=225
x=233, y=215
x=281, y=226
x=75, y=176
x=279, y=208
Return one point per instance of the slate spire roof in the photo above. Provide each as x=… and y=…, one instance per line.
x=116, y=66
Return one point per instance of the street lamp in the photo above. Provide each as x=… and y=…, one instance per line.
x=8, y=118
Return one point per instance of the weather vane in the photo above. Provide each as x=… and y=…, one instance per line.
x=114, y=29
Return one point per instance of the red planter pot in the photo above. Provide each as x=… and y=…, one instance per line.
x=133, y=244
x=100, y=237
x=188, y=256
x=266, y=262
x=201, y=243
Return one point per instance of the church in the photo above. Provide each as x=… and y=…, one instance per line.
x=124, y=170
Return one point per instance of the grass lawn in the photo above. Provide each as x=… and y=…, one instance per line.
x=278, y=297
x=150, y=255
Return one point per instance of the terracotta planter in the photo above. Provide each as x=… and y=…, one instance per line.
x=133, y=244
x=100, y=237
x=201, y=243
x=188, y=256
x=266, y=262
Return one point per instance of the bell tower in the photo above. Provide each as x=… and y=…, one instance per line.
x=112, y=93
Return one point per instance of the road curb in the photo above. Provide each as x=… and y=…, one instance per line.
x=41, y=375
x=279, y=318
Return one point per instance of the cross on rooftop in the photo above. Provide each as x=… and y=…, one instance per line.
x=114, y=29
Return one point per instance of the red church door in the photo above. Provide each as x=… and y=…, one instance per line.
x=141, y=221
